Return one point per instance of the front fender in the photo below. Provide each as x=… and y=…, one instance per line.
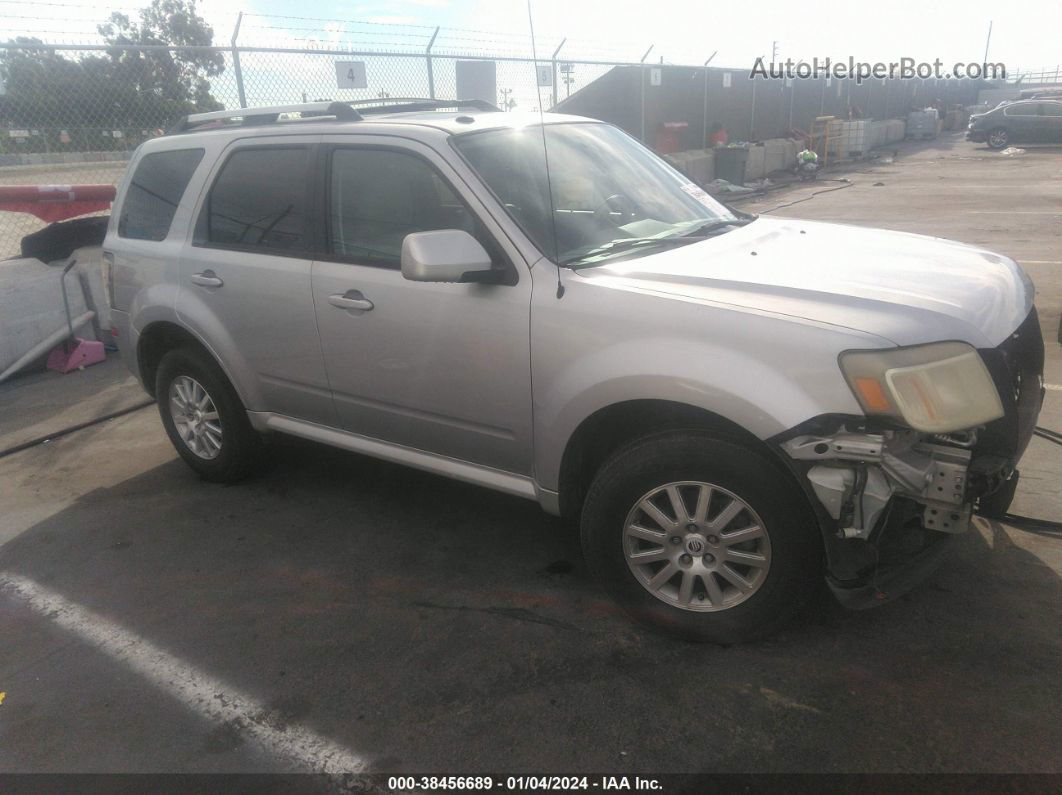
x=754, y=394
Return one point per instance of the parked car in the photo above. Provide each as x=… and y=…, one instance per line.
x=1019, y=122
x=732, y=408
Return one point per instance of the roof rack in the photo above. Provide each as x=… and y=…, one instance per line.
x=341, y=110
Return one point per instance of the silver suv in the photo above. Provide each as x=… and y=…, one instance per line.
x=733, y=409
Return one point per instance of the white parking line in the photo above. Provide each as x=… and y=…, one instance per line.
x=1053, y=387
x=200, y=692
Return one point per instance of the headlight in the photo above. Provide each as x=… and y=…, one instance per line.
x=935, y=388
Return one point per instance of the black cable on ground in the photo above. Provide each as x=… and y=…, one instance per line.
x=1047, y=433
x=807, y=198
x=1040, y=527
x=81, y=425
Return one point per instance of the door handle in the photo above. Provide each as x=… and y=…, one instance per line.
x=351, y=299
x=206, y=278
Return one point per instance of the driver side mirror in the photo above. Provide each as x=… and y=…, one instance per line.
x=445, y=255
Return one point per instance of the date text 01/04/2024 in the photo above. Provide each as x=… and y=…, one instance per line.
x=521, y=783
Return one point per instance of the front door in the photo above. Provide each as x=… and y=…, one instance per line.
x=443, y=368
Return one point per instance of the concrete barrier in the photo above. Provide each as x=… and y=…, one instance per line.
x=697, y=164
x=60, y=158
x=756, y=167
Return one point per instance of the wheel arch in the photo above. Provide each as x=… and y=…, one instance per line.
x=162, y=336
x=611, y=427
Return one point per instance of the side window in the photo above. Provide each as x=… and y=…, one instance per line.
x=259, y=200
x=1051, y=109
x=377, y=197
x=1022, y=109
x=154, y=193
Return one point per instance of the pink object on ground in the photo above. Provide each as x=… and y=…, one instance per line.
x=74, y=355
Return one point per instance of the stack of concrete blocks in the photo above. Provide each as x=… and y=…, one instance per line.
x=697, y=164
x=770, y=156
x=776, y=155
x=793, y=147
x=923, y=123
x=756, y=165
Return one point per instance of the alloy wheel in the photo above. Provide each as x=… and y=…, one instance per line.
x=997, y=138
x=195, y=417
x=696, y=546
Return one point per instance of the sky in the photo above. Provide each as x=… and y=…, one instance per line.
x=680, y=31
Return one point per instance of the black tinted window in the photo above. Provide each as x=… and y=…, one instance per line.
x=1022, y=109
x=378, y=197
x=154, y=193
x=259, y=200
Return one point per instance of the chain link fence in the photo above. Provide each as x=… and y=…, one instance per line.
x=72, y=114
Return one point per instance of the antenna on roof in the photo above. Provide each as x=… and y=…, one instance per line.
x=545, y=155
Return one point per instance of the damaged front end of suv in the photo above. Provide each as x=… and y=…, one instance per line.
x=944, y=427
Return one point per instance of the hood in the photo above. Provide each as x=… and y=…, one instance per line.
x=906, y=288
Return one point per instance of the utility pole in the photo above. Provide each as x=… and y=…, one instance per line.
x=988, y=40
x=774, y=52
x=507, y=103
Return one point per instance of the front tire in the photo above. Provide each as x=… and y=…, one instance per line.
x=701, y=538
x=204, y=418
x=998, y=138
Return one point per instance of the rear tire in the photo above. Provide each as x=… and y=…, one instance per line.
x=204, y=417
x=785, y=560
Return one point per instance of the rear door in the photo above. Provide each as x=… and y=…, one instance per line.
x=1023, y=122
x=245, y=275
x=1051, y=113
x=443, y=368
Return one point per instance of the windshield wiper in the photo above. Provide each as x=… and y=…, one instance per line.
x=627, y=243
x=714, y=226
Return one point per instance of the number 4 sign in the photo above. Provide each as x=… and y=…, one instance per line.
x=351, y=74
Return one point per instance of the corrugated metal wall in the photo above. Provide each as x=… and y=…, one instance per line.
x=750, y=109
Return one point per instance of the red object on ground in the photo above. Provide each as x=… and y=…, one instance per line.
x=56, y=202
x=667, y=136
x=718, y=138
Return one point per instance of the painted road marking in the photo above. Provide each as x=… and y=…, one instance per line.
x=1013, y=212
x=202, y=693
x=1053, y=387
x=1041, y=261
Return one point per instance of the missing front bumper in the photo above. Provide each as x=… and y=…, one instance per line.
x=856, y=476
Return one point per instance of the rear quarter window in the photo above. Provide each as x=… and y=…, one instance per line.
x=1023, y=109
x=154, y=192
